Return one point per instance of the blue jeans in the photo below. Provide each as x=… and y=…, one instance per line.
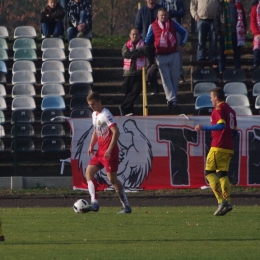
x=51, y=28
x=205, y=29
x=73, y=31
x=222, y=56
x=63, y=3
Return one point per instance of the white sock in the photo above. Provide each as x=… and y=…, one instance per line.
x=92, y=192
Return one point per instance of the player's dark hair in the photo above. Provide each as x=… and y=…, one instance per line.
x=219, y=93
x=162, y=9
x=94, y=95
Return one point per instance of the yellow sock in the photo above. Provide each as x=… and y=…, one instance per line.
x=225, y=187
x=215, y=186
x=1, y=231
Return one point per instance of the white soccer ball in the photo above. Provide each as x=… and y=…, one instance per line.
x=79, y=205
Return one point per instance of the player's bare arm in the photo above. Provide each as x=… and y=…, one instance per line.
x=115, y=136
x=92, y=143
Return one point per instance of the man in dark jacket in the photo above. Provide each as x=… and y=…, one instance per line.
x=230, y=29
x=80, y=19
x=52, y=19
x=146, y=16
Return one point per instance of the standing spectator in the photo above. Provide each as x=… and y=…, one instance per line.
x=176, y=11
x=162, y=34
x=203, y=11
x=133, y=52
x=146, y=16
x=106, y=135
x=223, y=129
x=255, y=28
x=52, y=19
x=80, y=19
x=2, y=238
x=230, y=28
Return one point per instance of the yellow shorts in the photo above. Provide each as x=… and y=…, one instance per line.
x=218, y=161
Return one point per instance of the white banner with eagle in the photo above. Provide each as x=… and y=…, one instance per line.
x=159, y=152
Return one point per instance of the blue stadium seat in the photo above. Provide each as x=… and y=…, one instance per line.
x=203, y=101
x=53, y=102
x=3, y=67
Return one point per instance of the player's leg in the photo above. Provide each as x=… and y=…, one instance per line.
x=91, y=170
x=112, y=177
x=211, y=166
x=2, y=238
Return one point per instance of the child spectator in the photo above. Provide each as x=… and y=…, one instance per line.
x=255, y=28
x=134, y=52
x=52, y=19
x=230, y=28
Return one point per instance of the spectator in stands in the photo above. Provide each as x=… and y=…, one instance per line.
x=134, y=52
x=255, y=28
x=2, y=238
x=162, y=34
x=52, y=19
x=203, y=12
x=230, y=29
x=146, y=16
x=80, y=19
x=176, y=11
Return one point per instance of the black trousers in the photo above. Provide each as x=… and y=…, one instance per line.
x=132, y=88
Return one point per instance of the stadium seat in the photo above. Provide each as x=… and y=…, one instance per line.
x=80, y=89
x=2, y=78
x=3, y=67
x=80, y=65
x=53, y=54
x=52, y=90
x=204, y=75
x=3, y=32
x=23, y=145
x=25, y=54
x=81, y=76
x=24, y=32
x=256, y=89
x=234, y=75
x=22, y=130
x=24, y=65
x=203, y=88
x=3, y=55
x=50, y=130
x=203, y=101
x=2, y=91
x=256, y=76
x=53, y=144
x=2, y=104
x=51, y=65
x=2, y=132
x=21, y=103
x=24, y=43
x=78, y=102
x=48, y=115
x=231, y=88
x=242, y=111
x=23, y=76
x=23, y=90
x=49, y=43
x=2, y=146
x=80, y=43
x=50, y=77
x=3, y=44
x=237, y=100
x=257, y=102
x=81, y=113
x=2, y=117
x=80, y=54
x=53, y=102
x=23, y=116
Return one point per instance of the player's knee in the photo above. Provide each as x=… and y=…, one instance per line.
x=209, y=172
x=221, y=174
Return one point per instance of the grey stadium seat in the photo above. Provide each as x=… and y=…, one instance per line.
x=23, y=116
x=53, y=144
x=22, y=130
x=49, y=130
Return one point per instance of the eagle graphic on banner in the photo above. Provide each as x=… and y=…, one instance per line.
x=135, y=156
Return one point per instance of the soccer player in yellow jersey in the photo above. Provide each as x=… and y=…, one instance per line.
x=223, y=129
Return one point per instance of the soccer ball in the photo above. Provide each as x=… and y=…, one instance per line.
x=79, y=205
